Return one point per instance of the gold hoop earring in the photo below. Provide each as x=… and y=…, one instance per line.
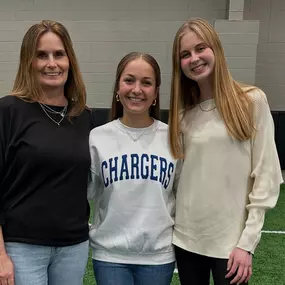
x=154, y=103
x=117, y=98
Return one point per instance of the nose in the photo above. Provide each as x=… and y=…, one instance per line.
x=51, y=62
x=194, y=57
x=137, y=88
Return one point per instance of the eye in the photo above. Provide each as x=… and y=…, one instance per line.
x=42, y=55
x=147, y=83
x=59, y=54
x=201, y=48
x=128, y=80
x=185, y=55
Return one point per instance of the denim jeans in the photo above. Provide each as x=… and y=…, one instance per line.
x=107, y=273
x=45, y=265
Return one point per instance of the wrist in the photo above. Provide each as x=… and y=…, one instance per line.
x=2, y=251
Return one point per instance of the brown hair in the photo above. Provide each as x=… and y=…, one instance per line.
x=26, y=86
x=233, y=103
x=117, y=108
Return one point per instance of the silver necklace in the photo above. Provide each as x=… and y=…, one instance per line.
x=130, y=134
x=48, y=110
x=52, y=111
x=206, y=110
x=135, y=138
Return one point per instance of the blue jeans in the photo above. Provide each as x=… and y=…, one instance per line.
x=107, y=273
x=45, y=265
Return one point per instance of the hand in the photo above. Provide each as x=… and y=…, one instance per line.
x=239, y=263
x=6, y=270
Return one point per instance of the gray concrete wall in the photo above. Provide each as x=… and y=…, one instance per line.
x=240, y=39
x=103, y=31
x=270, y=66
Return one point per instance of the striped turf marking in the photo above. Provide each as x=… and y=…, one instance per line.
x=273, y=232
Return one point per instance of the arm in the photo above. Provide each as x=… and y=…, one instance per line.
x=179, y=163
x=266, y=176
x=6, y=265
x=95, y=186
x=178, y=169
x=6, y=133
x=2, y=246
x=94, y=181
x=4, y=121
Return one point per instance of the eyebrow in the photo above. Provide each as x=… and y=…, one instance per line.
x=185, y=50
x=150, y=78
x=201, y=43
x=58, y=50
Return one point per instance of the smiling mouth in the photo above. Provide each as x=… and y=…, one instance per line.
x=198, y=68
x=134, y=99
x=52, y=73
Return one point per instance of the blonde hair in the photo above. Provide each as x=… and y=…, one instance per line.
x=117, y=107
x=28, y=88
x=233, y=103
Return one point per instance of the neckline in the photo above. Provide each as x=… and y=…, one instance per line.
x=207, y=105
x=207, y=100
x=126, y=129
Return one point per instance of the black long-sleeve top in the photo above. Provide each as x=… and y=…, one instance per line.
x=43, y=175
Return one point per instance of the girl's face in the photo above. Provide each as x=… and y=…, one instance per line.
x=197, y=59
x=137, y=87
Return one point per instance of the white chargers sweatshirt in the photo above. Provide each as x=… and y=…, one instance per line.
x=132, y=186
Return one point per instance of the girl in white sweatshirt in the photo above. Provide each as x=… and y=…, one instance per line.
x=231, y=173
x=133, y=182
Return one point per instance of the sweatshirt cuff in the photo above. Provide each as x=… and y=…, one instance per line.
x=249, y=242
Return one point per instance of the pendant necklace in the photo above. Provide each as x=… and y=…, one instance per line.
x=47, y=109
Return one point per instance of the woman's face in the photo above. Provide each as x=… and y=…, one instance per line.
x=51, y=63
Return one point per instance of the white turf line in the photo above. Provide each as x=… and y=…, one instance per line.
x=273, y=232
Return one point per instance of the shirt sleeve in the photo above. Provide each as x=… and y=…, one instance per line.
x=266, y=173
x=95, y=184
x=178, y=169
x=92, y=117
x=4, y=137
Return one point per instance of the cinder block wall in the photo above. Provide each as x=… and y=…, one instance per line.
x=240, y=39
x=103, y=31
x=270, y=67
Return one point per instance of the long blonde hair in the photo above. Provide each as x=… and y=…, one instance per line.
x=233, y=103
x=117, y=107
x=28, y=88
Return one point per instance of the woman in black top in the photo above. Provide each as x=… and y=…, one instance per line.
x=44, y=164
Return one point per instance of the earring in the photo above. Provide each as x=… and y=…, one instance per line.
x=117, y=98
x=154, y=103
